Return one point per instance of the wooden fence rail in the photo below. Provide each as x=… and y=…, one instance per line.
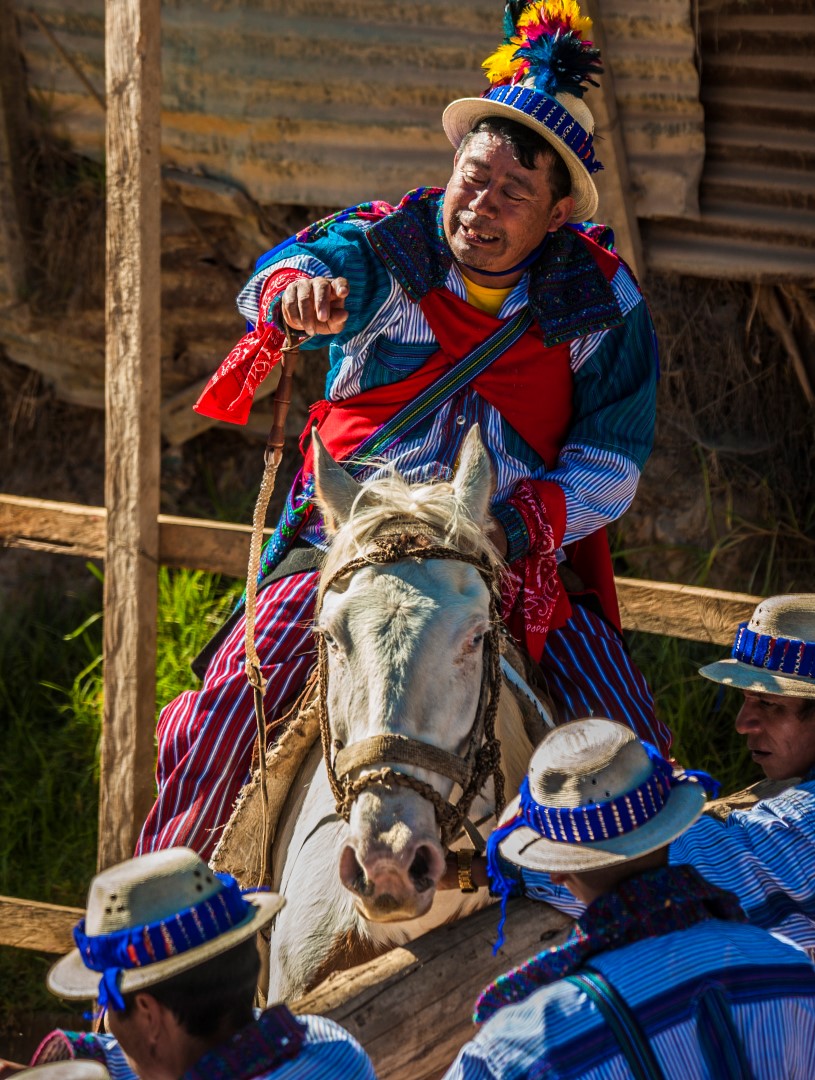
x=683, y=611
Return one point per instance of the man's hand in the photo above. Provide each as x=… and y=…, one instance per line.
x=316, y=305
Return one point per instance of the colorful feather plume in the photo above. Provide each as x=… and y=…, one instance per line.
x=545, y=40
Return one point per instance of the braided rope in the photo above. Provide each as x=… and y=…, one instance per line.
x=483, y=757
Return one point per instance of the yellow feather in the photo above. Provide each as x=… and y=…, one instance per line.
x=500, y=64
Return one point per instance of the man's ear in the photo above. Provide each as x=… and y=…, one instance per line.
x=561, y=212
x=150, y=1016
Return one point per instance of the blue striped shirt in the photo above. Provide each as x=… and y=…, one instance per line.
x=328, y=1051
x=386, y=336
x=672, y=984
x=766, y=856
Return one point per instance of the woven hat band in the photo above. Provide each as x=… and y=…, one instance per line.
x=549, y=112
x=787, y=655
x=614, y=817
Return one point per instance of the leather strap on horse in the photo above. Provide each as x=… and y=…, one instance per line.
x=483, y=757
x=272, y=457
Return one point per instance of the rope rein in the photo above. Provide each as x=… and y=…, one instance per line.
x=272, y=456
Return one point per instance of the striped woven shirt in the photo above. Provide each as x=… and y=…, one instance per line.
x=766, y=856
x=386, y=336
x=677, y=987
x=328, y=1051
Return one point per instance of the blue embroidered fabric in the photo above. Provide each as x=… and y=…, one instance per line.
x=787, y=655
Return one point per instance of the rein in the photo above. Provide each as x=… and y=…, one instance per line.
x=482, y=758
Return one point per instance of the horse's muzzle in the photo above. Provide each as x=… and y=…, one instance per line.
x=390, y=888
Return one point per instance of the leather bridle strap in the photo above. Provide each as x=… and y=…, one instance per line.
x=401, y=750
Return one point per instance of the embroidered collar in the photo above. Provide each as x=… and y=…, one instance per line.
x=276, y=1036
x=650, y=905
x=568, y=292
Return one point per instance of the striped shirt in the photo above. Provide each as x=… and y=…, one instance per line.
x=386, y=336
x=676, y=986
x=765, y=856
x=328, y=1051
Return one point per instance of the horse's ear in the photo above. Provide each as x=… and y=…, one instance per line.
x=334, y=489
x=473, y=483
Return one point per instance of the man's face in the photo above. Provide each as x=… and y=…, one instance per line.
x=781, y=741
x=495, y=211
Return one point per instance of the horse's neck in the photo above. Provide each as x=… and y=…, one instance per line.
x=308, y=804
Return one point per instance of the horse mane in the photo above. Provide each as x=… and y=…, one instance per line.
x=433, y=506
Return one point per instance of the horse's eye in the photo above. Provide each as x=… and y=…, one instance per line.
x=328, y=639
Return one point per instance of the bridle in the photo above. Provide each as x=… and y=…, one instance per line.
x=482, y=757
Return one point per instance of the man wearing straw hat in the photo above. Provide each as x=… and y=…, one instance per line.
x=168, y=948
x=661, y=976
x=494, y=301
x=765, y=855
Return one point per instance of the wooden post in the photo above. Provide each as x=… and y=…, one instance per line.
x=13, y=137
x=132, y=392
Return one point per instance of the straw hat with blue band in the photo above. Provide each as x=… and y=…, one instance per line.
x=539, y=75
x=151, y=918
x=773, y=653
x=596, y=796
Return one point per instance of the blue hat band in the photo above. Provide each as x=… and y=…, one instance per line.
x=555, y=117
x=615, y=817
x=790, y=656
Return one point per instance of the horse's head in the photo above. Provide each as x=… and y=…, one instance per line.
x=402, y=648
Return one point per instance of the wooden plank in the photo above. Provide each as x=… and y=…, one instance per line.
x=657, y=607
x=683, y=611
x=411, y=1007
x=132, y=388
x=613, y=182
x=62, y=528
x=216, y=546
x=68, y=529
x=29, y=924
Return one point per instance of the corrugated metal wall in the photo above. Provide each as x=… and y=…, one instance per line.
x=330, y=103
x=758, y=187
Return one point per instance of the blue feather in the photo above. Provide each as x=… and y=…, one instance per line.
x=562, y=64
x=512, y=12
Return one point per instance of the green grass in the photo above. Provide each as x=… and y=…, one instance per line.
x=699, y=713
x=50, y=723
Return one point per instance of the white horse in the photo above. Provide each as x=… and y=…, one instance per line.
x=404, y=645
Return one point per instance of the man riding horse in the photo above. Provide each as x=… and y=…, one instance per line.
x=493, y=301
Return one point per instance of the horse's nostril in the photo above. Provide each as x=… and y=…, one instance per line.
x=420, y=870
x=352, y=874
